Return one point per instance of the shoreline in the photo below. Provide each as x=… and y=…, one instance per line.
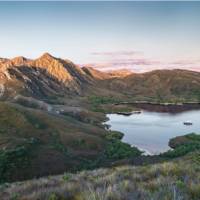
x=108, y=127
x=162, y=104
x=164, y=107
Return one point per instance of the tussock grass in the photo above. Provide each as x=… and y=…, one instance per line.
x=175, y=180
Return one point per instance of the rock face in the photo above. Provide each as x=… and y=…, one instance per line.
x=18, y=61
x=42, y=77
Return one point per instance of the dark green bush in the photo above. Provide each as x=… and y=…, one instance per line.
x=66, y=176
x=181, y=150
x=19, y=157
x=119, y=150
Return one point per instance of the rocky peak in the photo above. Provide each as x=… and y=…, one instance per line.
x=44, y=75
x=3, y=61
x=20, y=60
x=47, y=56
x=53, y=66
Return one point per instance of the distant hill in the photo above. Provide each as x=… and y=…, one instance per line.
x=107, y=74
x=119, y=72
x=161, y=85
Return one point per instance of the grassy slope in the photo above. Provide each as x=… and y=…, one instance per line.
x=178, y=179
x=59, y=143
x=35, y=143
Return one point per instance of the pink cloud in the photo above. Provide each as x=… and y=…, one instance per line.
x=137, y=65
x=185, y=62
x=116, y=53
x=143, y=65
x=135, y=61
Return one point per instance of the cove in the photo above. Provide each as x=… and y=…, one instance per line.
x=151, y=131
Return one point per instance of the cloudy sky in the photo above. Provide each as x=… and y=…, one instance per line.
x=107, y=35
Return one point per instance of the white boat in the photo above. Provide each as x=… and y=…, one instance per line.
x=187, y=123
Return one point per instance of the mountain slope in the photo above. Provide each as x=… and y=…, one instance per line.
x=42, y=77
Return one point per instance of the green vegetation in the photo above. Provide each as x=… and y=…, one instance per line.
x=119, y=150
x=114, y=135
x=57, y=144
x=53, y=196
x=108, y=104
x=182, y=145
x=116, y=149
x=66, y=176
x=181, y=150
x=18, y=157
x=96, y=100
x=15, y=196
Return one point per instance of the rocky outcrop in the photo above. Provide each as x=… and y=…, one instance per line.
x=44, y=76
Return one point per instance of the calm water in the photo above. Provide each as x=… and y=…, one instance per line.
x=151, y=131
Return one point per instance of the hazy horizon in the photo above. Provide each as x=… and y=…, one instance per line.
x=140, y=36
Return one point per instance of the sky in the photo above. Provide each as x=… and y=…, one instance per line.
x=140, y=36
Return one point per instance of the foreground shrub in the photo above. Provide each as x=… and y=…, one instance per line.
x=182, y=145
x=18, y=157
